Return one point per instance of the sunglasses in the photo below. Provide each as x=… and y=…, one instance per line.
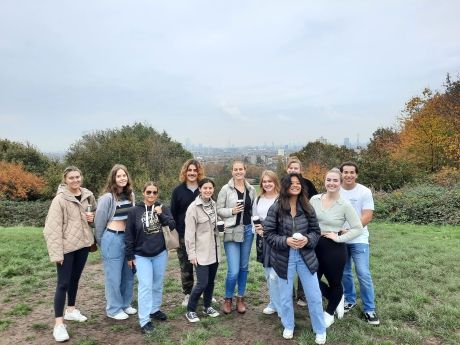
x=154, y=192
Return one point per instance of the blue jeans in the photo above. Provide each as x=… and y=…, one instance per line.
x=238, y=263
x=273, y=289
x=150, y=275
x=312, y=293
x=119, y=278
x=359, y=252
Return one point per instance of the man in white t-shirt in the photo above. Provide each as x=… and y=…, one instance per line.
x=358, y=248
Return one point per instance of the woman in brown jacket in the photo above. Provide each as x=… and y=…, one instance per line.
x=203, y=248
x=68, y=237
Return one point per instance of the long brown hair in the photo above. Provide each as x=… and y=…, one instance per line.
x=111, y=185
x=285, y=207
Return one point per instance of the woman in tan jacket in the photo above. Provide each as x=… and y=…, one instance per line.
x=68, y=237
x=203, y=248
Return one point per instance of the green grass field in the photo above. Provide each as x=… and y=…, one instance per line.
x=415, y=270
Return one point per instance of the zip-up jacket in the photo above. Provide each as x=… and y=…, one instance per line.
x=277, y=228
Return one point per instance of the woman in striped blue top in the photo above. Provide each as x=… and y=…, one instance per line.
x=110, y=223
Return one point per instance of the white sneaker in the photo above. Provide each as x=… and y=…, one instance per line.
x=213, y=300
x=341, y=308
x=320, y=338
x=328, y=319
x=288, y=334
x=269, y=310
x=130, y=310
x=60, y=333
x=120, y=316
x=185, y=301
x=301, y=303
x=74, y=315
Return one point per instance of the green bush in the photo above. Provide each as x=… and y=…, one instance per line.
x=25, y=213
x=420, y=204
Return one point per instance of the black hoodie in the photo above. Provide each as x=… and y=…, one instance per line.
x=146, y=240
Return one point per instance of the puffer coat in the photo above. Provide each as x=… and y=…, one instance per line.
x=278, y=227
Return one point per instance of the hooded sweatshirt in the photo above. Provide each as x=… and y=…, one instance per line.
x=66, y=229
x=144, y=236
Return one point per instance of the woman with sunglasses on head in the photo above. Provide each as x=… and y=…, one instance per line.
x=110, y=223
x=292, y=231
x=203, y=248
x=147, y=254
x=332, y=212
x=68, y=237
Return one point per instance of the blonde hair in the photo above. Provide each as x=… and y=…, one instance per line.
x=69, y=169
x=272, y=175
x=335, y=171
x=293, y=159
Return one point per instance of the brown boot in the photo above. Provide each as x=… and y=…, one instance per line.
x=227, y=307
x=240, y=305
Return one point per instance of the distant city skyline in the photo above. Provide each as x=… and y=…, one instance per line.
x=220, y=73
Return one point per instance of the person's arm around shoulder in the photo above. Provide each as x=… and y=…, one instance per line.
x=53, y=231
x=130, y=237
x=190, y=233
x=222, y=210
x=166, y=218
x=271, y=229
x=356, y=228
x=314, y=232
x=102, y=215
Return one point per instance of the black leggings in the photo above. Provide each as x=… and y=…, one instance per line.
x=68, y=275
x=331, y=257
x=205, y=276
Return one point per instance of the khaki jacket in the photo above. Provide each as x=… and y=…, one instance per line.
x=201, y=237
x=66, y=229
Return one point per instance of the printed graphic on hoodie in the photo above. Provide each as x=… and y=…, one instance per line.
x=150, y=222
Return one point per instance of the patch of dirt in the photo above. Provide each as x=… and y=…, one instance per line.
x=36, y=328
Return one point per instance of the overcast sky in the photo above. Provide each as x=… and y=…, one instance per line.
x=219, y=72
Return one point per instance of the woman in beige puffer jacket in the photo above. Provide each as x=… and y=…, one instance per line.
x=68, y=237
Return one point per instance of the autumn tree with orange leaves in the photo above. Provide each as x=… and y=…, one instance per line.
x=18, y=184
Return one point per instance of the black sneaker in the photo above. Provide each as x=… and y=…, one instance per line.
x=159, y=315
x=147, y=328
x=372, y=318
x=348, y=306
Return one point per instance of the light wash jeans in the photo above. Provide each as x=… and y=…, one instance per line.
x=273, y=289
x=359, y=253
x=119, y=278
x=238, y=263
x=150, y=275
x=312, y=293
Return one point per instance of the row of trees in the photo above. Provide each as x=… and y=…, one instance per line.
x=27, y=174
x=424, y=143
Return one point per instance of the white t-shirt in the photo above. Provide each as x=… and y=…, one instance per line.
x=261, y=209
x=360, y=198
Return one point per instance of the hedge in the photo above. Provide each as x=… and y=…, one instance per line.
x=420, y=204
x=23, y=213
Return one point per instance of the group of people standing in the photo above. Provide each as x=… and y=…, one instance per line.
x=298, y=233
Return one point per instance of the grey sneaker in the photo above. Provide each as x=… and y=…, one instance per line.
x=191, y=316
x=348, y=307
x=372, y=318
x=210, y=311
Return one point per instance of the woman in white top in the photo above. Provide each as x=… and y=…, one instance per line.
x=269, y=191
x=332, y=212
